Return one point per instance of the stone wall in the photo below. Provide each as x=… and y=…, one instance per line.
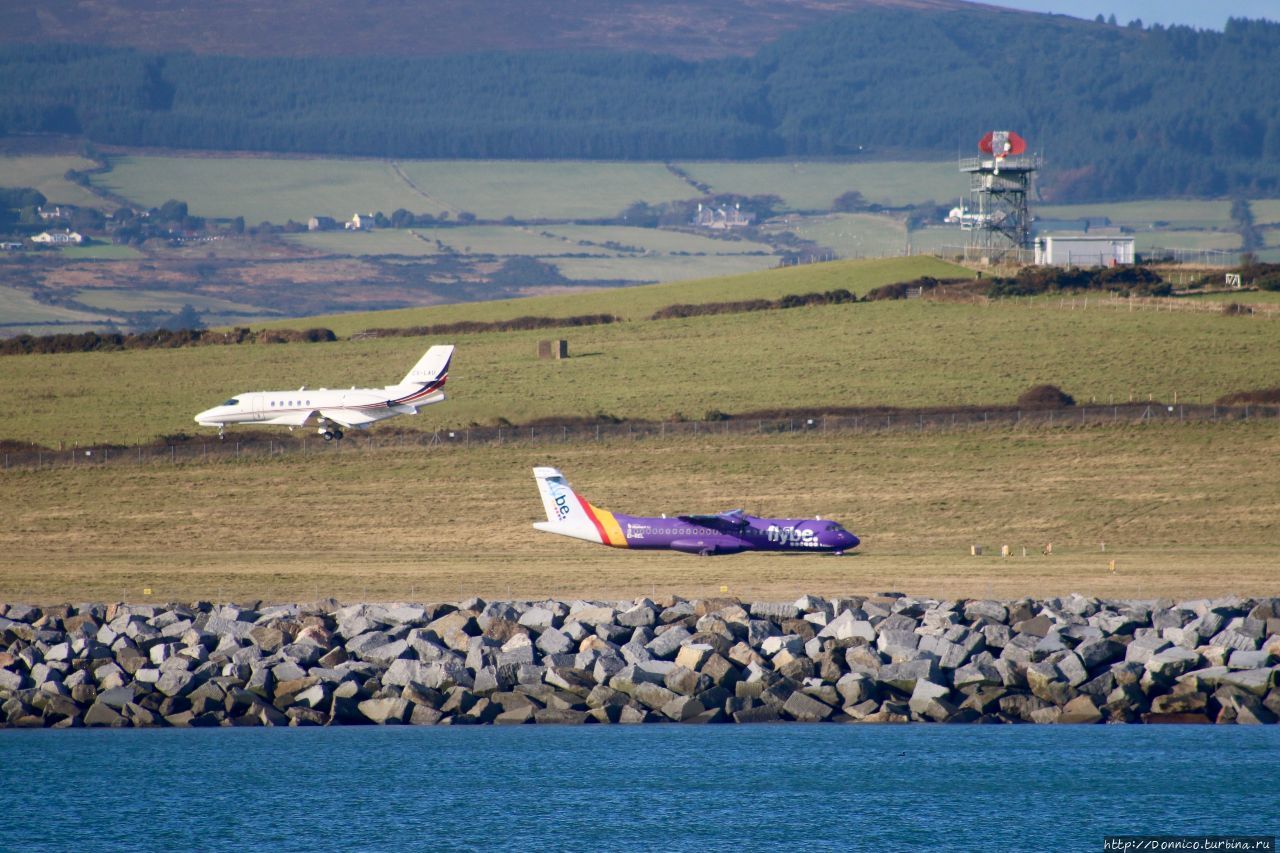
x=883, y=658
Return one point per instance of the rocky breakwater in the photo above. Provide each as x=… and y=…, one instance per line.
x=883, y=658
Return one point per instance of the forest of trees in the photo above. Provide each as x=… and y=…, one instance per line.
x=1119, y=111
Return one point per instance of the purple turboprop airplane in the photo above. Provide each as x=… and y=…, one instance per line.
x=724, y=533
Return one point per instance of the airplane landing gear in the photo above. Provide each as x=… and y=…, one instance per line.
x=332, y=434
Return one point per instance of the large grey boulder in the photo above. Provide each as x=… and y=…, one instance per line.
x=389, y=711
x=806, y=709
x=1172, y=662
x=929, y=700
x=903, y=676
x=666, y=644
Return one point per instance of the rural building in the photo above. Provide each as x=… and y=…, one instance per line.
x=360, y=222
x=58, y=238
x=321, y=223
x=55, y=213
x=1084, y=250
x=722, y=217
x=10, y=247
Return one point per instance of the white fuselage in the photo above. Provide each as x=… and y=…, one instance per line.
x=351, y=407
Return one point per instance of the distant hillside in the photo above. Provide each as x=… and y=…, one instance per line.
x=1121, y=112
x=687, y=28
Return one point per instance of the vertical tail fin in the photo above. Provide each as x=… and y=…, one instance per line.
x=431, y=367
x=570, y=515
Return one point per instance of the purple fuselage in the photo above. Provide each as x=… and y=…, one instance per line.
x=731, y=533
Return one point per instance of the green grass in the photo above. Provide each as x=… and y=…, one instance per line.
x=18, y=306
x=656, y=240
x=1246, y=297
x=661, y=268
x=264, y=188
x=807, y=185
x=1180, y=214
x=45, y=173
x=849, y=235
x=100, y=251
x=378, y=242
x=571, y=189
x=638, y=302
x=1145, y=241
x=111, y=299
x=452, y=522
x=887, y=353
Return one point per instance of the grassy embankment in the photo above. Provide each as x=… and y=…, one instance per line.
x=914, y=353
x=1185, y=511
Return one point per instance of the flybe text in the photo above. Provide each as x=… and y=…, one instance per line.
x=791, y=536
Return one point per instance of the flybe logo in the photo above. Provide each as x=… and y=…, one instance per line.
x=791, y=536
x=560, y=497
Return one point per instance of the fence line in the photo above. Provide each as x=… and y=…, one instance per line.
x=230, y=449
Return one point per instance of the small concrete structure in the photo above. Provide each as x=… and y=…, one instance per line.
x=1083, y=250
x=553, y=349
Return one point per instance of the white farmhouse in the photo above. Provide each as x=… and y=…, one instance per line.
x=58, y=238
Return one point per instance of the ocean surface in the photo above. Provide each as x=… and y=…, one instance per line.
x=666, y=787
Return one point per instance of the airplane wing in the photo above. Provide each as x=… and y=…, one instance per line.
x=349, y=417
x=291, y=418
x=731, y=520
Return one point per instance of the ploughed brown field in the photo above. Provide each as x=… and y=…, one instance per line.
x=1184, y=511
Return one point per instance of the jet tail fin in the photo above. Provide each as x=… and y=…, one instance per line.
x=570, y=515
x=431, y=367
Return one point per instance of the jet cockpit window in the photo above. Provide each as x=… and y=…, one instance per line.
x=232, y=402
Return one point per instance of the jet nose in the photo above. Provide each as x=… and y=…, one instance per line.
x=854, y=541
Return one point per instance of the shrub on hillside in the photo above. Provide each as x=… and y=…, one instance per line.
x=1033, y=281
x=471, y=327
x=839, y=296
x=1045, y=397
x=1266, y=396
x=900, y=289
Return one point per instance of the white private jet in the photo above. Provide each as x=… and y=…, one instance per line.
x=356, y=407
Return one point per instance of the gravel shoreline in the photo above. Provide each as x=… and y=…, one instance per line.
x=880, y=658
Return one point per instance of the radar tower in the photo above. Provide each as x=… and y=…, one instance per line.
x=999, y=178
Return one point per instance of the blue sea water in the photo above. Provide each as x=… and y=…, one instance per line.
x=765, y=787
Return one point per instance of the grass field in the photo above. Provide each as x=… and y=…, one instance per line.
x=264, y=188
x=572, y=189
x=661, y=241
x=444, y=523
x=660, y=268
x=98, y=250
x=1145, y=241
x=45, y=173
x=910, y=353
x=109, y=299
x=1178, y=213
x=849, y=235
x=814, y=185
x=638, y=302
x=18, y=306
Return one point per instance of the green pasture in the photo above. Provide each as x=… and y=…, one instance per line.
x=45, y=173
x=909, y=353
x=18, y=306
x=100, y=251
x=1178, y=213
x=657, y=240
x=660, y=268
x=565, y=189
x=813, y=185
x=849, y=235
x=381, y=241
x=1145, y=241
x=114, y=299
x=273, y=189
x=638, y=302
x=1244, y=297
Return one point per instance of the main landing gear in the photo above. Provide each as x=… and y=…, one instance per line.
x=331, y=434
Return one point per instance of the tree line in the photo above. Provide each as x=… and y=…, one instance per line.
x=1118, y=111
